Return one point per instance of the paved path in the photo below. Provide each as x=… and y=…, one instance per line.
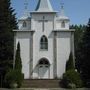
x=44, y=89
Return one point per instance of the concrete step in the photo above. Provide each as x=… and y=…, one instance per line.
x=41, y=83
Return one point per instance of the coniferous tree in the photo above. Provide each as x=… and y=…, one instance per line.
x=79, y=29
x=83, y=61
x=18, y=66
x=7, y=24
x=18, y=63
x=78, y=34
x=15, y=76
x=70, y=63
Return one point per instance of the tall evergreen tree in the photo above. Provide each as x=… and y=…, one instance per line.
x=18, y=63
x=15, y=75
x=83, y=62
x=78, y=35
x=70, y=63
x=7, y=24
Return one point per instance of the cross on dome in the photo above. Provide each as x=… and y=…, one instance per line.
x=26, y=4
x=26, y=14
x=62, y=9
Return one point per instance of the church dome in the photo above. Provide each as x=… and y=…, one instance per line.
x=26, y=16
x=63, y=18
x=62, y=15
x=24, y=23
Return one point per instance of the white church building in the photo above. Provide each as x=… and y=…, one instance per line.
x=45, y=42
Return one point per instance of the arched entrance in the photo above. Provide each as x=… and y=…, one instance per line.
x=44, y=69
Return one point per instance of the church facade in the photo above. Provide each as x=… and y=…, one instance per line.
x=45, y=42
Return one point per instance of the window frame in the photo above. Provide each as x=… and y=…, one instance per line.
x=24, y=24
x=44, y=43
x=63, y=24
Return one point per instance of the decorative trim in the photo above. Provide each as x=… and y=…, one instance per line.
x=23, y=31
x=64, y=30
x=38, y=12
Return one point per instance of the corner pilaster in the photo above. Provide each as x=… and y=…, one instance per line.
x=55, y=55
x=31, y=56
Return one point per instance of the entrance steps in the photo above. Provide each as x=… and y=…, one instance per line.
x=41, y=83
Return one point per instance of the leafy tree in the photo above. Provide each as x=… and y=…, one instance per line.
x=7, y=24
x=70, y=63
x=83, y=57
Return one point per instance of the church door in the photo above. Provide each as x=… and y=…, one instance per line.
x=44, y=69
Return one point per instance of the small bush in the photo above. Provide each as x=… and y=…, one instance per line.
x=14, y=77
x=71, y=79
x=71, y=85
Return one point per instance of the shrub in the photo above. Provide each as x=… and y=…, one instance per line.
x=14, y=77
x=71, y=79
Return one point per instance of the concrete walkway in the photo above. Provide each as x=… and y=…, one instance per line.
x=45, y=89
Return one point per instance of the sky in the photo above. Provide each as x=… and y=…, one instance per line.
x=78, y=11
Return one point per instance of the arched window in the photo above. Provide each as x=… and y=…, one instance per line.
x=44, y=43
x=62, y=24
x=24, y=24
x=44, y=61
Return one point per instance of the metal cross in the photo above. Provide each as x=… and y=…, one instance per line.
x=26, y=4
x=62, y=5
x=43, y=23
x=62, y=9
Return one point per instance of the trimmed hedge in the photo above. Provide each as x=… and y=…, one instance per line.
x=12, y=77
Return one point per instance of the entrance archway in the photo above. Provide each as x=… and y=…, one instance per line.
x=44, y=69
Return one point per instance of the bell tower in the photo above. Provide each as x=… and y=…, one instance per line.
x=62, y=20
x=24, y=22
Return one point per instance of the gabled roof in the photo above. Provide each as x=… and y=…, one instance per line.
x=44, y=6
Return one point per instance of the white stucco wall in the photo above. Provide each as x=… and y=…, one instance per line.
x=37, y=53
x=62, y=43
x=58, y=25
x=24, y=39
x=28, y=26
x=63, y=51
